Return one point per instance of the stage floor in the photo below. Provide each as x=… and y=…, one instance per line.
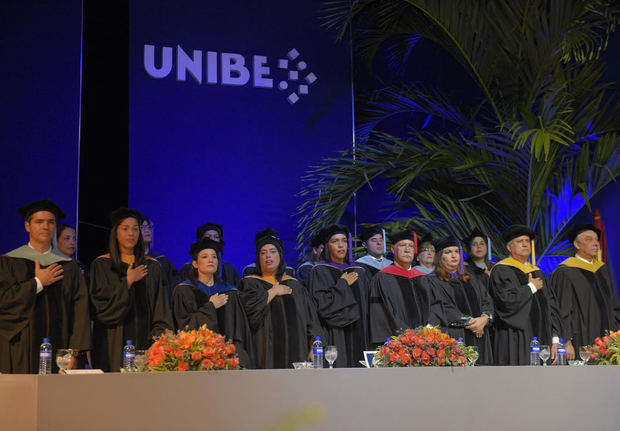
x=471, y=398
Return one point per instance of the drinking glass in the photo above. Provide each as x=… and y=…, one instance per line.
x=331, y=353
x=63, y=359
x=472, y=360
x=545, y=354
x=584, y=354
x=140, y=360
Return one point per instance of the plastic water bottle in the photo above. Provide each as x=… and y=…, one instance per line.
x=129, y=356
x=534, y=351
x=45, y=357
x=317, y=353
x=561, y=353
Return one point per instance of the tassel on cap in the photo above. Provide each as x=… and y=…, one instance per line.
x=384, y=242
x=350, y=244
x=461, y=268
x=415, y=243
x=490, y=255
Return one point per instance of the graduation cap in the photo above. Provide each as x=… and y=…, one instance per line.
x=120, y=214
x=43, y=205
x=517, y=230
x=202, y=229
x=334, y=230
x=371, y=231
x=203, y=244
x=400, y=236
x=445, y=242
x=317, y=239
x=268, y=236
x=580, y=228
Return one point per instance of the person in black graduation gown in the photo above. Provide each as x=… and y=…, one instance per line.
x=397, y=303
x=525, y=306
x=170, y=273
x=340, y=290
x=460, y=303
x=586, y=293
x=374, y=242
x=226, y=271
x=42, y=294
x=303, y=270
x=280, y=311
x=127, y=294
x=204, y=299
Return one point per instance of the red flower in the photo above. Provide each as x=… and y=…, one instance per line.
x=417, y=352
x=196, y=355
x=183, y=366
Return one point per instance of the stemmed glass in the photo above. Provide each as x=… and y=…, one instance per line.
x=474, y=357
x=584, y=354
x=545, y=354
x=331, y=353
x=140, y=360
x=63, y=359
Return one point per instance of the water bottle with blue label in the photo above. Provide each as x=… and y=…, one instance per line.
x=534, y=351
x=561, y=353
x=129, y=356
x=317, y=353
x=45, y=357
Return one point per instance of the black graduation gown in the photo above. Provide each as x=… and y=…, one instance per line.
x=455, y=300
x=59, y=312
x=169, y=272
x=284, y=329
x=139, y=313
x=396, y=303
x=192, y=309
x=342, y=310
x=229, y=273
x=587, y=300
x=251, y=270
x=520, y=314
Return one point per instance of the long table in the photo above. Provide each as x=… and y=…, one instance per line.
x=470, y=398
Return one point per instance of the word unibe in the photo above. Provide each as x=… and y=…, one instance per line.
x=227, y=68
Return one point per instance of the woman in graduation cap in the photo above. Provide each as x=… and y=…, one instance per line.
x=477, y=248
x=205, y=299
x=340, y=290
x=127, y=293
x=280, y=311
x=460, y=303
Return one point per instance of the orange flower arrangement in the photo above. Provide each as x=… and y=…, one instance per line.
x=422, y=347
x=606, y=350
x=199, y=349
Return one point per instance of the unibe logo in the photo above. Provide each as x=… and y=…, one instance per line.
x=228, y=68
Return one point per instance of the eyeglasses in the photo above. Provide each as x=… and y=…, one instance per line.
x=147, y=226
x=428, y=250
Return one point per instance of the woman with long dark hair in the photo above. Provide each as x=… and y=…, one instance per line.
x=280, y=311
x=478, y=262
x=340, y=290
x=460, y=303
x=127, y=293
x=205, y=299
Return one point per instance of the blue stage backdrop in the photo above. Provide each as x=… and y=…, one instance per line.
x=230, y=102
x=40, y=47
